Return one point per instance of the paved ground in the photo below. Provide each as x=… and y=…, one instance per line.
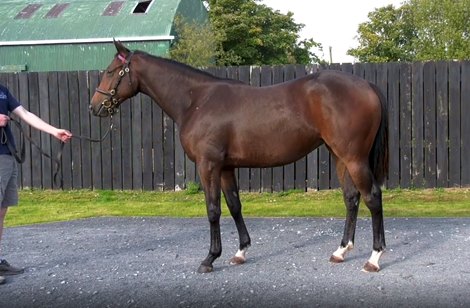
x=152, y=262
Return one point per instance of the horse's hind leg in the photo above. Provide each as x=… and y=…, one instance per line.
x=230, y=189
x=351, y=198
x=372, y=195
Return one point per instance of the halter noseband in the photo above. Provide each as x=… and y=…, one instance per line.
x=111, y=103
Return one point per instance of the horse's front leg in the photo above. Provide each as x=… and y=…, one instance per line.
x=230, y=189
x=209, y=173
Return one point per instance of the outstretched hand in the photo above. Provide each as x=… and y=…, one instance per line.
x=63, y=135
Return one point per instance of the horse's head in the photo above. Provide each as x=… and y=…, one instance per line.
x=113, y=89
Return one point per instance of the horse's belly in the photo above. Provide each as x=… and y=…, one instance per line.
x=268, y=152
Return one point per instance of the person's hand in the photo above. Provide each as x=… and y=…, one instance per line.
x=63, y=135
x=4, y=120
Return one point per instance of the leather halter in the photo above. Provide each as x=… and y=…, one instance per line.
x=112, y=102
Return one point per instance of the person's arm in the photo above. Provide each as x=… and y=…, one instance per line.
x=38, y=123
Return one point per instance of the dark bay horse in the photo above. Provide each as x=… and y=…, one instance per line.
x=225, y=124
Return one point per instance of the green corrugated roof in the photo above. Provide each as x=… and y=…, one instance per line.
x=84, y=20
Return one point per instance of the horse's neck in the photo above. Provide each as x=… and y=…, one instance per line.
x=169, y=87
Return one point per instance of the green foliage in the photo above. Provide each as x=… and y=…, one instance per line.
x=192, y=188
x=196, y=45
x=252, y=33
x=442, y=29
x=419, y=30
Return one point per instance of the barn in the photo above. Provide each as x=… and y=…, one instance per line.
x=68, y=35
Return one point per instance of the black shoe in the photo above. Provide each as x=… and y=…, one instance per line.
x=7, y=269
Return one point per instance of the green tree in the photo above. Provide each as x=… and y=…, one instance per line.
x=419, y=30
x=196, y=45
x=252, y=33
x=387, y=36
x=442, y=29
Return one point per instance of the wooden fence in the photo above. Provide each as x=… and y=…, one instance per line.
x=429, y=114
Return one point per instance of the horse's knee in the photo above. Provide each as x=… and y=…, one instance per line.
x=373, y=200
x=214, y=214
x=351, y=199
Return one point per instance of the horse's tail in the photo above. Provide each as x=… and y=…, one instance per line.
x=378, y=156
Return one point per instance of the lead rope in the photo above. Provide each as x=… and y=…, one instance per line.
x=20, y=158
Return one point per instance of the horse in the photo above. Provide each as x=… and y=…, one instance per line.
x=225, y=124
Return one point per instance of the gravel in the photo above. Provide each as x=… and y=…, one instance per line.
x=152, y=262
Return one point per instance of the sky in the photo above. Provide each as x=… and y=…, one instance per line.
x=333, y=23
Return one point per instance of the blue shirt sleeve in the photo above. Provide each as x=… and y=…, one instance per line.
x=12, y=102
x=8, y=102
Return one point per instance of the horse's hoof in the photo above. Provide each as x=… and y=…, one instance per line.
x=205, y=269
x=336, y=259
x=237, y=261
x=370, y=268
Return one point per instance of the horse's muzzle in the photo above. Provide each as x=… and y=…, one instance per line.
x=99, y=112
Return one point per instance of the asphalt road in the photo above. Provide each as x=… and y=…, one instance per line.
x=152, y=262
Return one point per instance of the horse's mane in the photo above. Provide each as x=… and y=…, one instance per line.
x=183, y=67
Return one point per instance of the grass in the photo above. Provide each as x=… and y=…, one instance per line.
x=42, y=206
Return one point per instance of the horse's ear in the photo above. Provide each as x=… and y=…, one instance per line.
x=121, y=48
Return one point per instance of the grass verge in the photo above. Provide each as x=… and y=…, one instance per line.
x=43, y=206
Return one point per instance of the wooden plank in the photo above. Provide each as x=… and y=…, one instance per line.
x=95, y=132
x=65, y=122
x=429, y=73
x=405, y=125
x=393, y=98
x=359, y=69
x=126, y=144
x=442, y=124
x=370, y=72
x=51, y=87
x=105, y=151
x=266, y=173
x=157, y=121
x=116, y=153
x=45, y=144
x=136, y=116
x=417, y=117
x=347, y=67
x=168, y=153
x=147, y=137
x=36, y=167
x=277, y=172
x=84, y=130
x=179, y=161
x=454, y=124
x=106, y=157
x=289, y=169
x=75, y=146
x=23, y=96
x=465, y=130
